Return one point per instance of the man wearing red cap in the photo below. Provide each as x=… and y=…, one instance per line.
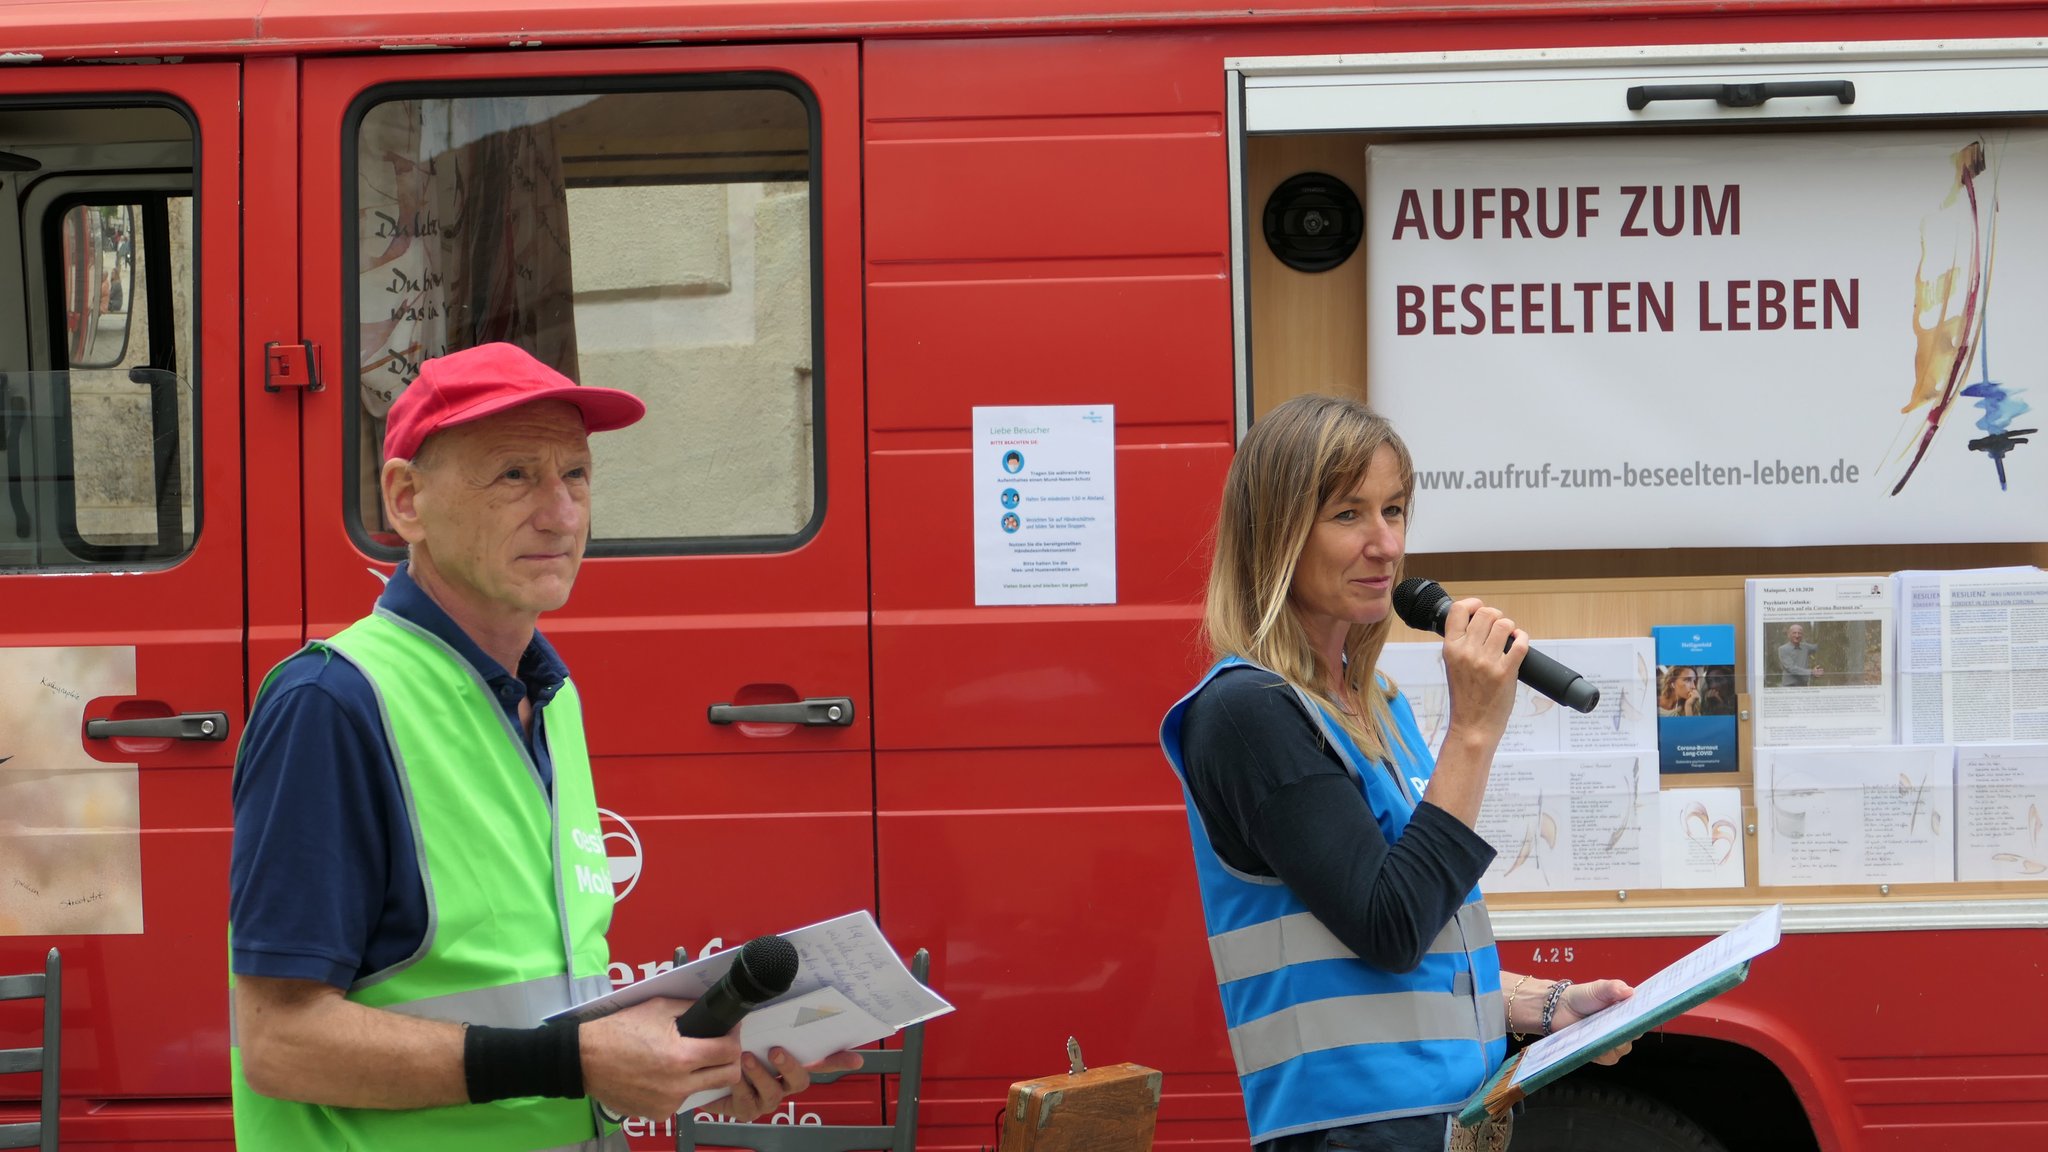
x=418, y=875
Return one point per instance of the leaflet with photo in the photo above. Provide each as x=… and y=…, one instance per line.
x=1856, y=815
x=1820, y=667
x=1696, y=692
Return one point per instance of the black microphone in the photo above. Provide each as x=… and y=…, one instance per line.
x=764, y=969
x=1423, y=604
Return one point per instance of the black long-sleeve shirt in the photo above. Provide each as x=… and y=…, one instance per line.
x=1276, y=801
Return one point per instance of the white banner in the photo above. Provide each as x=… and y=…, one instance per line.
x=1714, y=341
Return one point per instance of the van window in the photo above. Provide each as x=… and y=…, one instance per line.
x=98, y=453
x=660, y=242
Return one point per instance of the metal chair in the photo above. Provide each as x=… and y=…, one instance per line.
x=42, y=1132
x=905, y=1063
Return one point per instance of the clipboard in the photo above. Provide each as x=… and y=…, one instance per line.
x=1500, y=1092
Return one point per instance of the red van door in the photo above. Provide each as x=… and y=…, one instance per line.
x=121, y=579
x=683, y=224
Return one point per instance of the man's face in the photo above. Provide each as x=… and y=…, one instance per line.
x=503, y=507
x=1796, y=634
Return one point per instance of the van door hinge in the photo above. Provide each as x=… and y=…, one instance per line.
x=291, y=364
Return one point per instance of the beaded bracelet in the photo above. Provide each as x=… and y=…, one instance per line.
x=1550, y=1002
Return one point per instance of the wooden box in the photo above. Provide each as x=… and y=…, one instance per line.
x=1109, y=1109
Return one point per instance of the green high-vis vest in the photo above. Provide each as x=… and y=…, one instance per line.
x=519, y=896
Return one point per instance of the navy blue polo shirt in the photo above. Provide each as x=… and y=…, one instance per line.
x=323, y=883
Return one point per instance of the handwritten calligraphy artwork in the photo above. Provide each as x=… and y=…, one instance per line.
x=462, y=229
x=70, y=825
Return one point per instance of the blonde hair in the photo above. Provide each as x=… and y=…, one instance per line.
x=1292, y=462
x=1667, y=685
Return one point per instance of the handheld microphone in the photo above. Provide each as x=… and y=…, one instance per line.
x=1423, y=604
x=764, y=969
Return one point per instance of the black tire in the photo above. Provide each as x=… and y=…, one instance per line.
x=1605, y=1118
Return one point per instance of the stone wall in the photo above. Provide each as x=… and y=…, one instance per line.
x=697, y=298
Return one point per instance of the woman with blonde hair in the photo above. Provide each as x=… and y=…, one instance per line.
x=1678, y=691
x=1338, y=864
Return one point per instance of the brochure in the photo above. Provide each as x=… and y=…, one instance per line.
x=1696, y=693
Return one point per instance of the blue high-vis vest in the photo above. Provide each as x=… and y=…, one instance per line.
x=1320, y=1037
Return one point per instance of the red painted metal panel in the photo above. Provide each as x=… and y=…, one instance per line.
x=56, y=29
x=924, y=553
x=145, y=1015
x=272, y=451
x=1037, y=235
x=922, y=82
x=1058, y=880
x=1023, y=198
x=1017, y=334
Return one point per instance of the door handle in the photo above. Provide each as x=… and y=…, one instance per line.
x=186, y=726
x=822, y=712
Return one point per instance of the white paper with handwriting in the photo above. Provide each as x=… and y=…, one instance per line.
x=851, y=989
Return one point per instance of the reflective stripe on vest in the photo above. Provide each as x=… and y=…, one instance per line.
x=518, y=897
x=1320, y=1037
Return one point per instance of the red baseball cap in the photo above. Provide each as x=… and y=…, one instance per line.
x=485, y=380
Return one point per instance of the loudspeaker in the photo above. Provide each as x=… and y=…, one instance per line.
x=1313, y=222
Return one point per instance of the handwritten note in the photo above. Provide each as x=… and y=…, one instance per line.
x=848, y=954
x=809, y=1027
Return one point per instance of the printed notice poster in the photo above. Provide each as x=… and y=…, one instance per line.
x=1820, y=659
x=1994, y=656
x=1727, y=340
x=1045, y=504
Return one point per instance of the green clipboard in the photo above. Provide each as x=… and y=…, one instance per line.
x=1500, y=1093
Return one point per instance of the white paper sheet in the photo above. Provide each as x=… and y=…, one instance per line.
x=810, y=1028
x=1994, y=656
x=1831, y=685
x=1571, y=822
x=1700, y=831
x=1624, y=669
x=1862, y=815
x=1045, y=504
x=1745, y=942
x=2001, y=803
x=847, y=953
x=1921, y=709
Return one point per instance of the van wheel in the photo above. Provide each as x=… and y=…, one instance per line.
x=1606, y=1118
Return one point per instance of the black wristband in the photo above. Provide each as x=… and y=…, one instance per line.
x=509, y=1063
